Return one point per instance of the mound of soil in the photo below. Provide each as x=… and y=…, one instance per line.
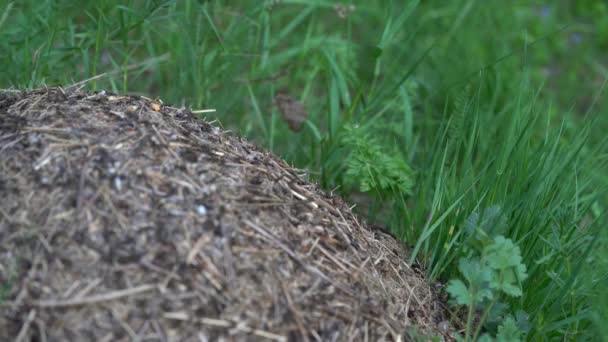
x=125, y=219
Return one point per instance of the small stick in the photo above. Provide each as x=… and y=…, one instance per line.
x=220, y=323
x=26, y=326
x=201, y=111
x=268, y=236
x=296, y=314
x=104, y=297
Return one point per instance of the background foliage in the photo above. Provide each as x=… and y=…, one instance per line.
x=460, y=125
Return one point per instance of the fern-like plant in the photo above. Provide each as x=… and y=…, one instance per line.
x=372, y=168
x=462, y=102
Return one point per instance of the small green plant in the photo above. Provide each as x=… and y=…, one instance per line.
x=496, y=273
x=414, y=333
x=372, y=169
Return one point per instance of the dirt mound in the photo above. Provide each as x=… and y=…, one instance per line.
x=121, y=218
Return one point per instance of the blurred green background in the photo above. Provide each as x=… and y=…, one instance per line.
x=449, y=122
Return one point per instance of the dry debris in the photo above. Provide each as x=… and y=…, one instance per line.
x=125, y=219
x=293, y=111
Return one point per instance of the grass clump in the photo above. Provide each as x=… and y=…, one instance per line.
x=475, y=129
x=528, y=188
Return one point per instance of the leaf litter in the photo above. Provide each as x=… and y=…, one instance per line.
x=122, y=218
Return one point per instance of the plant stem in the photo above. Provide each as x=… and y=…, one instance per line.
x=483, y=318
x=469, y=321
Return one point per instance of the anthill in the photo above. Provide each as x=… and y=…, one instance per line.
x=125, y=219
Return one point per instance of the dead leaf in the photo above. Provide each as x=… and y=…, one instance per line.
x=293, y=111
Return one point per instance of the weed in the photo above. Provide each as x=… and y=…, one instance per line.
x=498, y=271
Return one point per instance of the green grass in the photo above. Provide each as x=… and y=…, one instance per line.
x=461, y=121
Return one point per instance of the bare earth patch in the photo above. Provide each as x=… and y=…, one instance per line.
x=124, y=219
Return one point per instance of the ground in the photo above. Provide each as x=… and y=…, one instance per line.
x=125, y=218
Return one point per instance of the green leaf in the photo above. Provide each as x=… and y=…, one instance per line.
x=523, y=321
x=461, y=108
x=507, y=287
x=483, y=294
x=485, y=338
x=459, y=292
x=371, y=168
x=508, y=331
x=488, y=223
x=478, y=276
x=498, y=312
x=503, y=254
x=476, y=273
x=504, y=258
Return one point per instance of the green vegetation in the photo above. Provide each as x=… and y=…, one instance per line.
x=475, y=129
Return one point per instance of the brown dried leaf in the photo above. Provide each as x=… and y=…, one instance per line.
x=293, y=111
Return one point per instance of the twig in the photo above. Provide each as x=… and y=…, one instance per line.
x=295, y=257
x=220, y=323
x=147, y=62
x=95, y=298
x=202, y=111
x=26, y=326
x=294, y=312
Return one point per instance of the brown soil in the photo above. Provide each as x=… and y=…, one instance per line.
x=125, y=219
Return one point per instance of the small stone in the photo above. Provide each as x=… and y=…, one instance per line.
x=118, y=183
x=201, y=210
